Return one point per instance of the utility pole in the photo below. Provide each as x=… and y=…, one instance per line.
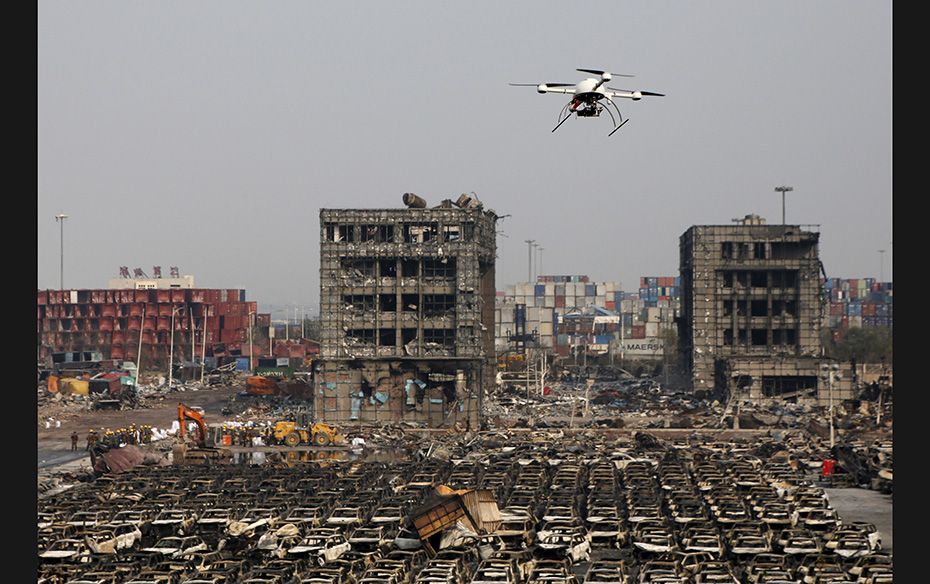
x=60, y=219
x=251, y=348
x=529, y=261
x=174, y=310
x=881, y=269
x=783, y=190
x=539, y=270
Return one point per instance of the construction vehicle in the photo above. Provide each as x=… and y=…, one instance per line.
x=200, y=453
x=304, y=431
x=276, y=377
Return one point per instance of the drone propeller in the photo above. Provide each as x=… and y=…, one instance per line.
x=602, y=73
x=546, y=84
x=640, y=92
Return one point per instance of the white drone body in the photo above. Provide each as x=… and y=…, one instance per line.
x=588, y=95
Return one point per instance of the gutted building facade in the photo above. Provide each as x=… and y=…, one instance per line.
x=751, y=308
x=407, y=310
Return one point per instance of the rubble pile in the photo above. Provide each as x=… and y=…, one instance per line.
x=571, y=506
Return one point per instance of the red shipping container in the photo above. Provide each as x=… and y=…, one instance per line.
x=164, y=323
x=868, y=309
x=117, y=338
x=198, y=296
x=611, y=305
x=140, y=296
x=116, y=352
x=135, y=309
x=560, y=302
x=149, y=323
x=639, y=331
x=135, y=323
x=106, y=324
x=43, y=297
x=178, y=296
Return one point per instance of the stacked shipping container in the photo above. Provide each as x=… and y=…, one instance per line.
x=858, y=302
x=113, y=321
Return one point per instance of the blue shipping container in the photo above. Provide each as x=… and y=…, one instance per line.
x=678, y=281
x=540, y=289
x=590, y=290
x=242, y=364
x=603, y=339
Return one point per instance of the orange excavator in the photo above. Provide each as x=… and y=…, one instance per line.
x=200, y=453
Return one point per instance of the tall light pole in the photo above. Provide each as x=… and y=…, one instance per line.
x=783, y=190
x=174, y=311
x=60, y=219
x=539, y=250
x=829, y=375
x=529, y=260
x=251, y=349
x=881, y=269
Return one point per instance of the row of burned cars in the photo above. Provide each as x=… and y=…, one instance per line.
x=590, y=511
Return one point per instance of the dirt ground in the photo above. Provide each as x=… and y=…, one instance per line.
x=54, y=444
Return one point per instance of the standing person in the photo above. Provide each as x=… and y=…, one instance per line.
x=74, y=440
x=91, y=439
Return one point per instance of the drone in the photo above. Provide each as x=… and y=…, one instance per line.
x=591, y=96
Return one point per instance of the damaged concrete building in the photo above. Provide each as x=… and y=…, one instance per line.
x=407, y=309
x=751, y=309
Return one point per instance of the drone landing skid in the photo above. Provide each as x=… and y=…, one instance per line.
x=560, y=123
x=618, y=127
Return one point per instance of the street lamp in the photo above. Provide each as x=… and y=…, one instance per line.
x=60, y=219
x=174, y=311
x=539, y=250
x=251, y=350
x=529, y=259
x=783, y=190
x=881, y=269
x=830, y=373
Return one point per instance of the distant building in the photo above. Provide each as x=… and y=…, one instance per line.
x=407, y=313
x=751, y=309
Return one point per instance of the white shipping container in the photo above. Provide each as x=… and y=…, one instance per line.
x=511, y=291
x=545, y=329
x=663, y=303
x=532, y=314
x=601, y=290
x=652, y=315
x=652, y=329
x=610, y=287
x=545, y=314
x=526, y=290
x=545, y=341
x=549, y=301
x=600, y=301
x=550, y=289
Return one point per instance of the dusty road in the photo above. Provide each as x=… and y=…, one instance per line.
x=54, y=444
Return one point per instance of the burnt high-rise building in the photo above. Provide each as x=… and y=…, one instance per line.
x=751, y=308
x=407, y=313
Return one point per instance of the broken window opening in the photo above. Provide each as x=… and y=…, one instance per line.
x=759, y=308
x=420, y=232
x=451, y=232
x=410, y=268
x=376, y=233
x=742, y=251
x=728, y=279
x=728, y=310
x=760, y=337
x=759, y=279
x=726, y=250
x=359, y=302
x=407, y=336
x=363, y=268
x=439, y=268
x=468, y=231
x=778, y=337
x=743, y=381
x=758, y=250
x=791, y=307
x=387, y=337
x=791, y=250
x=438, y=304
x=442, y=337
x=388, y=268
x=727, y=336
x=777, y=385
x=411, y=302
x=361, y=336
x=741, y=336
x=790, y=337
x=387, y=302
x=778, y=307
x=741, y=308
x=742, y=279
x=340, y=233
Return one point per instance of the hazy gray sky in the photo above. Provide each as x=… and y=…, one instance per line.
x=207, y=135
